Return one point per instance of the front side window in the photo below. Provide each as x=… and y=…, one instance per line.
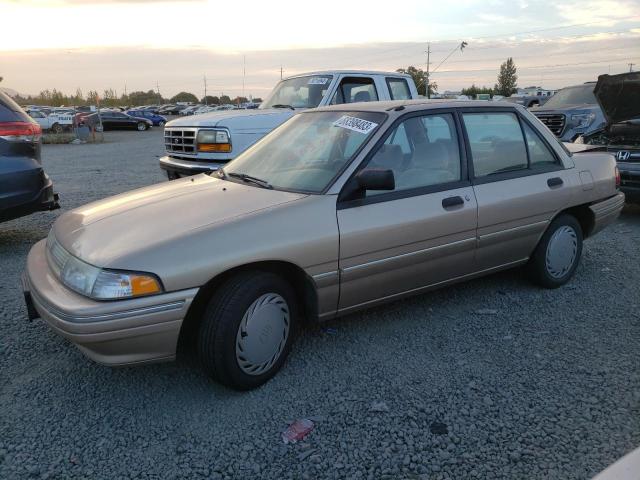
x=299, y=92
x=308, y=151
x=356, y=89
x=496, y=141
x=398, y=89
x=421, y=152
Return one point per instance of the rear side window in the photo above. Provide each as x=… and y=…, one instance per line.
x=496, y=141
x=398, y=89
x=355, y=89
x=10, y=111
x=539, y=154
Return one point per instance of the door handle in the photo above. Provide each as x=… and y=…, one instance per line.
x=554, y=182
x=452, y=202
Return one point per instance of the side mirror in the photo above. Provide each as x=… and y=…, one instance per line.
x=376, y=179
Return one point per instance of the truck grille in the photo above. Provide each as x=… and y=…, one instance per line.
x=180, y=140
x=553, y=121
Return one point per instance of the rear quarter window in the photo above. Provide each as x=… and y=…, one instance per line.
x=10, y=111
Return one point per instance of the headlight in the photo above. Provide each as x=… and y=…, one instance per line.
x=96, y=282
x=583, y=120
x=213, y=141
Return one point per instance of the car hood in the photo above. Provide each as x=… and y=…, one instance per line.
x=102, y=233
x=236, y=119
x=566, y=109
x=619, y=96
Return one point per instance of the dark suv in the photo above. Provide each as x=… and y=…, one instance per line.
x=24, y=187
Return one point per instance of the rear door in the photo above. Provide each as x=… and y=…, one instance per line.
x=519, y=183
x=421, y=233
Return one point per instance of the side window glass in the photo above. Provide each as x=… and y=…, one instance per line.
x=539, y=154
x=398, y=89
x=352, y=90
x=496, y=141
x=418, y=156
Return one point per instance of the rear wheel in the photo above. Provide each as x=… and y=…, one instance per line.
x=142, y=126
x=56, y=128
x=248, y=329
x=556, y=257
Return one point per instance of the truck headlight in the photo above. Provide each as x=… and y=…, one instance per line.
x=215, y=141
x=98, y=283
x=583, y=120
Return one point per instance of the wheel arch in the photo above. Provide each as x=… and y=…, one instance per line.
x=302, y=284
x=584, y=216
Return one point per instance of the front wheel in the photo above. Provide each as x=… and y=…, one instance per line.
x=56, y=128
x=161, y=124
x=556, y=257
x=248, y=329
x=142, y=126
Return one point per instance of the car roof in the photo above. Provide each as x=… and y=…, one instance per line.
x=349, y=72
x=416, y=105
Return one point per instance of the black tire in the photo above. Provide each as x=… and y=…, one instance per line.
x=541, y=271
x=141, y=126
x=56, y=128
x=161, y=123
x=219, y=328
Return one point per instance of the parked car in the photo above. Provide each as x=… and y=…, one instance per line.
x=118, y=121
x=340, y=209
x=190, y=109
x=571, y=112
x=156, y=120
x=24, y=186
x=206, y=142
x=55, y=122
x=528, y=101
x=618, y=97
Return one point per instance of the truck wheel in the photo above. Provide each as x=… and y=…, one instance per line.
x=557, y=255
x=161, y=124
x=56, y=128
x=247, y=329
x=142, y=126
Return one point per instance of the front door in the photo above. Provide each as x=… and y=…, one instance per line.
x=420, y=234
x=519, y=183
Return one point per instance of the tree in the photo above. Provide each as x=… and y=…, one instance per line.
x=257, y=100
x=210, y=100
x=507, y=79
x=224, y=99
x=472, y=91
x=239, y=100
x=419, y=78
x=143, y=98
x=184, y=97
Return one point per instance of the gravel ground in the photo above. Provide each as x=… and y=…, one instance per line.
x=493, y=378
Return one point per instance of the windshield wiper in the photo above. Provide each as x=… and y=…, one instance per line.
x=282, y=105
x=250, y=179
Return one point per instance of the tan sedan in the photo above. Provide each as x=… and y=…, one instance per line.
x=337, y=210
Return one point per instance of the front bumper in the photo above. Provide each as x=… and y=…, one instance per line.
x=630, y=180
x=183, y=167
x=118, y=332
x=606, y=212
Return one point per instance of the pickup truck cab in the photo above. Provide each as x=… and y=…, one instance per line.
x=204, y=143
x=54, y=122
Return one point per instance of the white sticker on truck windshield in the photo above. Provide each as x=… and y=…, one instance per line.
x=317, y=81
x=355, y=124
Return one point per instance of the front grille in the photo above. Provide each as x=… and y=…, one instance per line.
x=178, y=140
x=554, y=122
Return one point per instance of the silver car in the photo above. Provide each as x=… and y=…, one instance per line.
x=339, y=209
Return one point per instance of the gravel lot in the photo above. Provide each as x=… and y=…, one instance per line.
x=516, y=382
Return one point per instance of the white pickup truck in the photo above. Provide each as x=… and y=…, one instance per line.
x=56, y=123
x=203, y=143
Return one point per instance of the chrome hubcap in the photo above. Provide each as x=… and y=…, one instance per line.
x=263, y=334
x=561, y=251
x=140, y=127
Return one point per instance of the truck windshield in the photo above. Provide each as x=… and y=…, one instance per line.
x=299, y=92
x=580, y=95
x=307, y=152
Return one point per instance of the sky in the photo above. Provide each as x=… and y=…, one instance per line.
x=241, y=46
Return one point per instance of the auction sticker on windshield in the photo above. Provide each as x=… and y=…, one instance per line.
x=355, y=124
x=317, y=81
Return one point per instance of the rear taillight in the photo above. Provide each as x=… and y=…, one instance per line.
x=20, y=131
x=617, y=176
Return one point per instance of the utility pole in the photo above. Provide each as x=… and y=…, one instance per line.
x=125, y=89
x=158, y=88
x=244, y=71
x=205, y=90
x=280, y=72
x=631, y=65
x=426, y=79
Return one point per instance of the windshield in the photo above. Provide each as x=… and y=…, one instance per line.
x=299, y=92
x=308, y=151
x=580, y=95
